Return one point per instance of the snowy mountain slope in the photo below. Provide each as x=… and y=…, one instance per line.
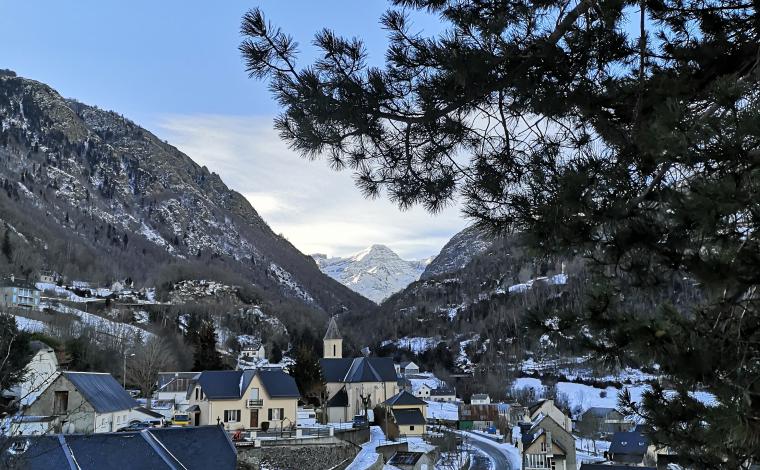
x=375, y=272
x=455, y=255
x=92, y=195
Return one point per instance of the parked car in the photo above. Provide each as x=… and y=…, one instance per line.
x=360, y=422
x=135, y=427
x=181, y=419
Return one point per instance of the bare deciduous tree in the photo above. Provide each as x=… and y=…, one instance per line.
x=150, y=359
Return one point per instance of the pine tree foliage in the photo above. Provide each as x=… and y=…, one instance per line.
x=625, y=132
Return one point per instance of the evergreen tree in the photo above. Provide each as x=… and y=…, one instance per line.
x=16, y=352
x=626, y=132
x=7, y=248
x=206, y=356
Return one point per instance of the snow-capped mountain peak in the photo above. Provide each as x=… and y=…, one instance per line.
x=375, y=272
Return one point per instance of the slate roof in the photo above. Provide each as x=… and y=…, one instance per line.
x=479, y=396
x=408, y=416
x=278, y=384
x=101, y=391
x=148, y=412
x=166, y=448
x=339, y=400
x=16, y=282
x=332, y=330
x=405, y=458
x=629, y=443
x=360, y=369
x=403, y=398
x=36, y=345
x=230, y=384
x=224, y=384
x=600, y=411
x=442, y=391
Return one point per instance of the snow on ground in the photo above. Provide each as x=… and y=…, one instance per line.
x=583, y=397
x=64, y=292
x=29, y=325
x=417, y=344
x=368, y=455
x=590, y=450
x=101, y=324
x=442, y=410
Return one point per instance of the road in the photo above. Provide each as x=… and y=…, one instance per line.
x=501, y=462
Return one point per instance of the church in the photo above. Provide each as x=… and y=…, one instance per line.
x=348, y=380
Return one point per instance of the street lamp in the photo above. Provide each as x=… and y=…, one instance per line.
x=124, y=377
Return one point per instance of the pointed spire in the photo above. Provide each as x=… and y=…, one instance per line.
x=332, y=330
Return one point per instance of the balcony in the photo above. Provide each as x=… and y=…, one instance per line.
x=254, y=403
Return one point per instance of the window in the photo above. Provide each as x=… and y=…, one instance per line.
x=552, y=464
x=196, y=393
x=276, y=413
x=231, y=416
x=411, y=428
x=335, y=350
x=60, y=402
x=543, y=446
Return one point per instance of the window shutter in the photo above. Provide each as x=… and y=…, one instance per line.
x=270, y=414
x=282, y=413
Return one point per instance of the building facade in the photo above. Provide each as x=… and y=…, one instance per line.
x=244, y=399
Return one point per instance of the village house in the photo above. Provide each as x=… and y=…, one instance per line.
x=252, y=353
x=443, y=393
x=547, y=407
x=18, y=293
x=244, y=399
x=84, y=402
x=631, y=447
x=422, y=391
x=155, y=448
x=546, y=445
x=407, y=368
x=478, y=417
x=600, y=421
x=50, y=277
x=480, y=399
x=405, y=415
x=353, y=383
x=41, y=370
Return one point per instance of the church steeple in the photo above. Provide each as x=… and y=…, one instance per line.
x=333, y=341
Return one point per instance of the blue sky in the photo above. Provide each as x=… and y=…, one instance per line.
x=173, y=67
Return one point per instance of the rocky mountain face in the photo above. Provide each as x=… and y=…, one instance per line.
x=94, y=196
x=458, y=252
x=375, y=272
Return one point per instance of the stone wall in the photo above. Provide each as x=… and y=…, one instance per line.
x=296, y=457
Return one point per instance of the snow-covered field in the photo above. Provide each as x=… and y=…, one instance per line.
x=442, y=410
x=583, y=397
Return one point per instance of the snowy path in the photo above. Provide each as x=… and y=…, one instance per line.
x=368, y=455
x=504, y=456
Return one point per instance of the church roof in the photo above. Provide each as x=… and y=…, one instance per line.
x=360, y=369
x=332, y=330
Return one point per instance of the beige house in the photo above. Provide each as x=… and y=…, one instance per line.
x=84, y=403
x=406, y=414
x=546, y=445
x=244, y=399
x=353, y=383
x=548, y=408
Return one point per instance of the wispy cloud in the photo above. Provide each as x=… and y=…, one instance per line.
x=319, y=210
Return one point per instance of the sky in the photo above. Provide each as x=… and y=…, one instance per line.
x=173, y=67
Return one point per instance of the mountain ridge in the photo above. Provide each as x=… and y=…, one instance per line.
x=376, y=272
x=91, y=194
